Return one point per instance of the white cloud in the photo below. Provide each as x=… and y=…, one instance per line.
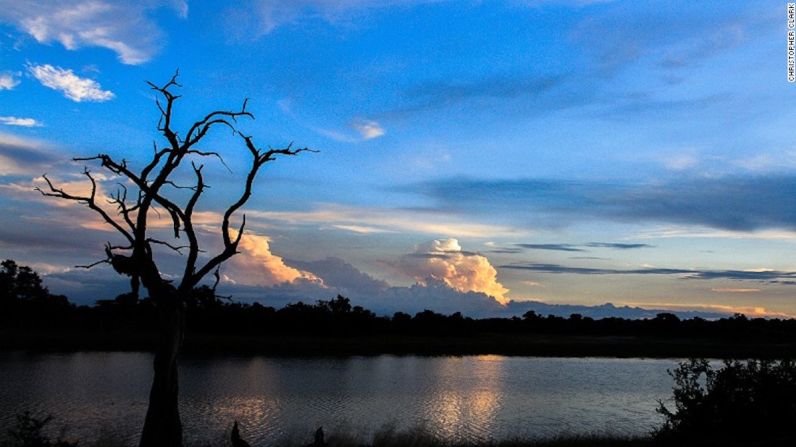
x=681, y=162
x=8, y=81
x=257, y=266
x=73, y=87
x=444, y=260
x=357, y=219
x=267, y=15
x=368, y=129
x=22, y=122
x=122, y=27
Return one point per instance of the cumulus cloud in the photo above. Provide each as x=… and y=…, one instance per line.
x=368, y=129
x=343, y=276
x=122, y=27
x=8, y=81
x=17, y=121
x=257, y=266
x=444, y=260
x=72, y=86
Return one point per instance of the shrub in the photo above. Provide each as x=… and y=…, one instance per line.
x=29, y=432
x=741, y=402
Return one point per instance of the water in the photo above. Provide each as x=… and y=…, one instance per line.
x=457, y=398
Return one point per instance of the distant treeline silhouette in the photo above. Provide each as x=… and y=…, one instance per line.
x=25, y=304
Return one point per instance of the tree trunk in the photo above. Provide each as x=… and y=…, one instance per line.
x=162, y=426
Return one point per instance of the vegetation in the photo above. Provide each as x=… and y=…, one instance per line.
x=32, y=318
x=29, y=432
x=743, y=402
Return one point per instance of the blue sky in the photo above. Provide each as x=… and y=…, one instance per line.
x=562, y=151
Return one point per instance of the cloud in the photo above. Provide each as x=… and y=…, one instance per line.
x=677, y=38
x=373, y=220
x=368, y=129
x=444, y=260
x=719, y=310
x=734, y=290
x=122, y=27
x=762, y=275
x=343, y=276
x=537, y=91
x=22, y=122
x=553, y=247
x=256, y=265
x=737, y=203
x=574, y=247
x=617, y=245
x=72, y=86
x=7, y=81
x=265, y=16
x=86, y=286
x=23, y=156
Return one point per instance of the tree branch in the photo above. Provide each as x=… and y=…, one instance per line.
x=89, y=201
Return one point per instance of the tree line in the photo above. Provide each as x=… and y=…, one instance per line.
x=26, y=304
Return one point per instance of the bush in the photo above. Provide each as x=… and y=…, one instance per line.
x=29, y=432
x=742, y=402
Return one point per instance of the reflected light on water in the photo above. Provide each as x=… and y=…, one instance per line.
x=467, y=413
x=470, y=398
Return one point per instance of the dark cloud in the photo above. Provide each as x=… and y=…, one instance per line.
x=23, y=153
x=617, y=245
x=514, y=94
x=765, y=275
x=553, y=247
x=342, y=275
x=740, y=203
x=577, y=247
x=506, y=250
x=88, y=286
x=448, y=92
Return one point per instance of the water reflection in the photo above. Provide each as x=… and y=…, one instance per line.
x=456, y=398
x=457, y=412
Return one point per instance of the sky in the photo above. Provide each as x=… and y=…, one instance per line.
x=472, y=155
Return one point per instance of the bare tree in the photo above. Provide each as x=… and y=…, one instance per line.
x=140, y=197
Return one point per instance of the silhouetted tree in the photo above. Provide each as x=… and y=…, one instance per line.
x=136, y=201
x=19, y=283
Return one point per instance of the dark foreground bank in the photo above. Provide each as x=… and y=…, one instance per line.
x=30, y=432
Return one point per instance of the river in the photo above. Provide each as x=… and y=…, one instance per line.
x=274, y=399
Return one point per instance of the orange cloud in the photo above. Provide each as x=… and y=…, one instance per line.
x=257, y=266
x=443, y=259
x=750, y=311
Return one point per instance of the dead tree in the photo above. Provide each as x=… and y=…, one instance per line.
x=142, y=195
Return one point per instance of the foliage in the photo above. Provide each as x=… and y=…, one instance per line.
x=29, y=432
x=741, y=401
x=19, y=283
